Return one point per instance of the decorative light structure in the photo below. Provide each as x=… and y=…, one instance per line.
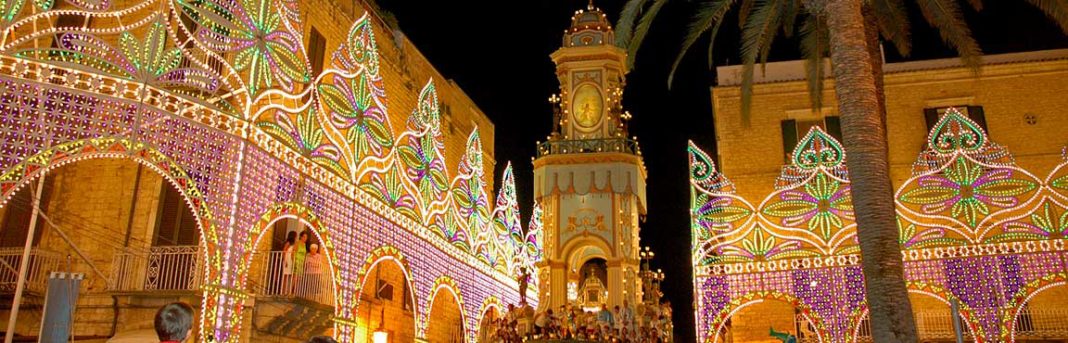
x=973, y=228
x=224, y=107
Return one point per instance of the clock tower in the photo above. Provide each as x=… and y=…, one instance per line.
x=589, y=175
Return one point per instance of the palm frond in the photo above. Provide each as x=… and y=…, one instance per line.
x=893, y=22
x=946, y=16
x=643, y=29
x=815, y=43
x=791, y=9
x=757, y=37
x=709, y=15
x=976, y=4
x=711, y=44
x=1054, y=9
x=625, y=24
x=743, y=12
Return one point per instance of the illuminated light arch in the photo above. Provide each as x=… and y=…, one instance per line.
x=389, y=254
x=490, y=303
x=448, y=284
x=307, y=217
x=941, y=294
x=738, y=303
x=1010, y=312
x=861, y=312
x=59, y=155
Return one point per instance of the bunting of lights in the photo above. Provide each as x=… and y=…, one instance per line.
x=971, y=224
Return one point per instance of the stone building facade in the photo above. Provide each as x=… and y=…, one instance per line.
x=978, y=164
x=175, y=145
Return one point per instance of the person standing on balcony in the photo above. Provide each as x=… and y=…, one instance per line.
x=287, y=262
x=299, y=255
x=312, y=268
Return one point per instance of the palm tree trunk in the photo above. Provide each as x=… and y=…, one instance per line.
x=875, y=56
x=864, y=138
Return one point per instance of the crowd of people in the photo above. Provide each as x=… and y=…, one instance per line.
x=622, y=324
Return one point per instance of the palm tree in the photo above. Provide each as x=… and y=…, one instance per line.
x=847, y=32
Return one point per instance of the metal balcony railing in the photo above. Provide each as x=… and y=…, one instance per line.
x=172, y=268
x=1042, y=323
x=313, y=283
x=42, y=262
x=582, y=146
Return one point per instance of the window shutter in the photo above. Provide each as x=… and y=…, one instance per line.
x=316, y=51
x=833, y=126
x=930, y=115
x=789, y=138
x=975, y=113
x=278, y=235
x=167, y=217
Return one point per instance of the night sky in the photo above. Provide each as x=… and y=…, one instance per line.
x=498, y=52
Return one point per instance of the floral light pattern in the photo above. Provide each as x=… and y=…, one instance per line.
x=968, y=190
x=822, y=206
x=261, y=39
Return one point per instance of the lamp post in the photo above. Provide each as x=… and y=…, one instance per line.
x=381, y=335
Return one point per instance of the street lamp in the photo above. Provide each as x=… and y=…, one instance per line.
x=380, y=335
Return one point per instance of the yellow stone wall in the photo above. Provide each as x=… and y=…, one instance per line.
x=90, y=203
x=405, y=71
x=399, y=322
x=752, y=323
x=445, y=318
x=752, y=156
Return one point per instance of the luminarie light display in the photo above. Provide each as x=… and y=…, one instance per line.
x=218, y=98
x=974, y=229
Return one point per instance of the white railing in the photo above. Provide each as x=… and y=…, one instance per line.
x=1042, y=323
x=313, y=283
x=174, y=268
x=42, y=262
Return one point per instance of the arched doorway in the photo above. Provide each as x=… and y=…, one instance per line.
x=487, y=326
x=386, y=299
x=751, y=323
x=445, y=320
x=129, y=229
x=291, y=271
x=590, y=284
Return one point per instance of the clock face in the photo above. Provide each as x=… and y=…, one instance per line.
x=587, y=105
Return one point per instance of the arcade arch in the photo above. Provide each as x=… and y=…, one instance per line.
x=386, y=298
x=445, y=319
x=120, y=221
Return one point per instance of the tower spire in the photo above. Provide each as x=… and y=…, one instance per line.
x=590, y=6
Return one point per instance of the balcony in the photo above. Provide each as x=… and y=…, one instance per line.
x=313, y=285
x=42, y=262
x=171, y=268
x=584, y=146
x=292, y=306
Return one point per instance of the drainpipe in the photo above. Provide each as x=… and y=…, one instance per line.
x=126, y=245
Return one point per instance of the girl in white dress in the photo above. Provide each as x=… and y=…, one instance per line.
x=287, y=262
